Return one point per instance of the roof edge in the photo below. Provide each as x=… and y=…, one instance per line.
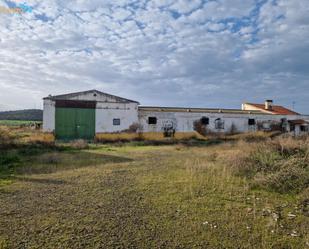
x=256, y=105
x=202, y=109
x=57, y=97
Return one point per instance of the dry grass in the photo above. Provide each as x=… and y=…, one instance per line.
x=146, y=136
x=281, y=164
x=19, y=136
x=115, y=137
x=39, y=137
x=6, y=136
x=182, y=136
x=253, y=136
x=177, y=196
x=79, y=144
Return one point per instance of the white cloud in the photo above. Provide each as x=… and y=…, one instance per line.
x=185, y=6
x=141, y=51
x=222, y=9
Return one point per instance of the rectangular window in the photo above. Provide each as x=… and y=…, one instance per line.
x=251, y=121
x=116, y=121
x=303, y=128
x=152, y=120
x=205, y=121
x=219, y=124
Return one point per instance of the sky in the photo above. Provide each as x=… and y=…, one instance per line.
x=191, y=53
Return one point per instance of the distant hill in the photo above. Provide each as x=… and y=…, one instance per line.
x=29, y=115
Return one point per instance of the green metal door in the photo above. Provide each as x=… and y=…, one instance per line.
x=75, y=123
x=85, y=123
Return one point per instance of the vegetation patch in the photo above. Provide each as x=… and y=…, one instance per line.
x=207, y=193
x=280, y=165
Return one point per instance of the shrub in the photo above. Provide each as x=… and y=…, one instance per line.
x=280, y=165
x=290, y=179
x=135, y=127
x=289, y=146
x=200, y=128
x=265, y=159
x=261, y=159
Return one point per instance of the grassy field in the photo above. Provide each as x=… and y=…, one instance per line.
x=135, y=196
x=17, y=122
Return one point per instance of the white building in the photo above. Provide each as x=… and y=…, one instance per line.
x=85, y=114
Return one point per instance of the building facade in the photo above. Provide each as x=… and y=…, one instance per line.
x=85, y=114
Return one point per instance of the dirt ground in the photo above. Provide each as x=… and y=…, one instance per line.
x=142, y=197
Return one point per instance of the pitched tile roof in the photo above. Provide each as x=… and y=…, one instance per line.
x=276, y=109
x=299, y=122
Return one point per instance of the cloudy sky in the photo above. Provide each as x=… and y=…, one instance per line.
x=214, y=53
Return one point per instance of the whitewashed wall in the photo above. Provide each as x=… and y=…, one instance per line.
x=128, y=113
x=106, y=112
x=93, y=96
x=49, y=111
x=184, y=120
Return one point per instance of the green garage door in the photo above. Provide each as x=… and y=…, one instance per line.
x=75, y=123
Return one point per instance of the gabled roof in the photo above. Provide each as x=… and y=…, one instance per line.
x=72, y=95
x=276, y=109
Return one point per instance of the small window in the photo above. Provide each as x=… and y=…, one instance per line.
x=116, y=121
x=251, y=121
x=219, y=124
x=152, y=120
x=303, y=128
x=205, y=121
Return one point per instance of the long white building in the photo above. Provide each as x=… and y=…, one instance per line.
x=85, y=114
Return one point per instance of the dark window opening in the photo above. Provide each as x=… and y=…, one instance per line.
x=251, y=121
x=303, y=128
x=219, y=124
x=205, y=121
x=116, y=121
x=152, y=120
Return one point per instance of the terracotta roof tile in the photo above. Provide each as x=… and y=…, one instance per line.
x=276, y=109
x=298, y=122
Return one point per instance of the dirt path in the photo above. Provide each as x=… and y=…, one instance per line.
x=94, y=207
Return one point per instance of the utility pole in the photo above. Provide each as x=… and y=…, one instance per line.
x=293, y=105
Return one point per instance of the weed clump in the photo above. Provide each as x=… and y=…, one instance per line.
x=280, y=165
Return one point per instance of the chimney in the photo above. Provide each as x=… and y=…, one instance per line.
x=269, y=104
